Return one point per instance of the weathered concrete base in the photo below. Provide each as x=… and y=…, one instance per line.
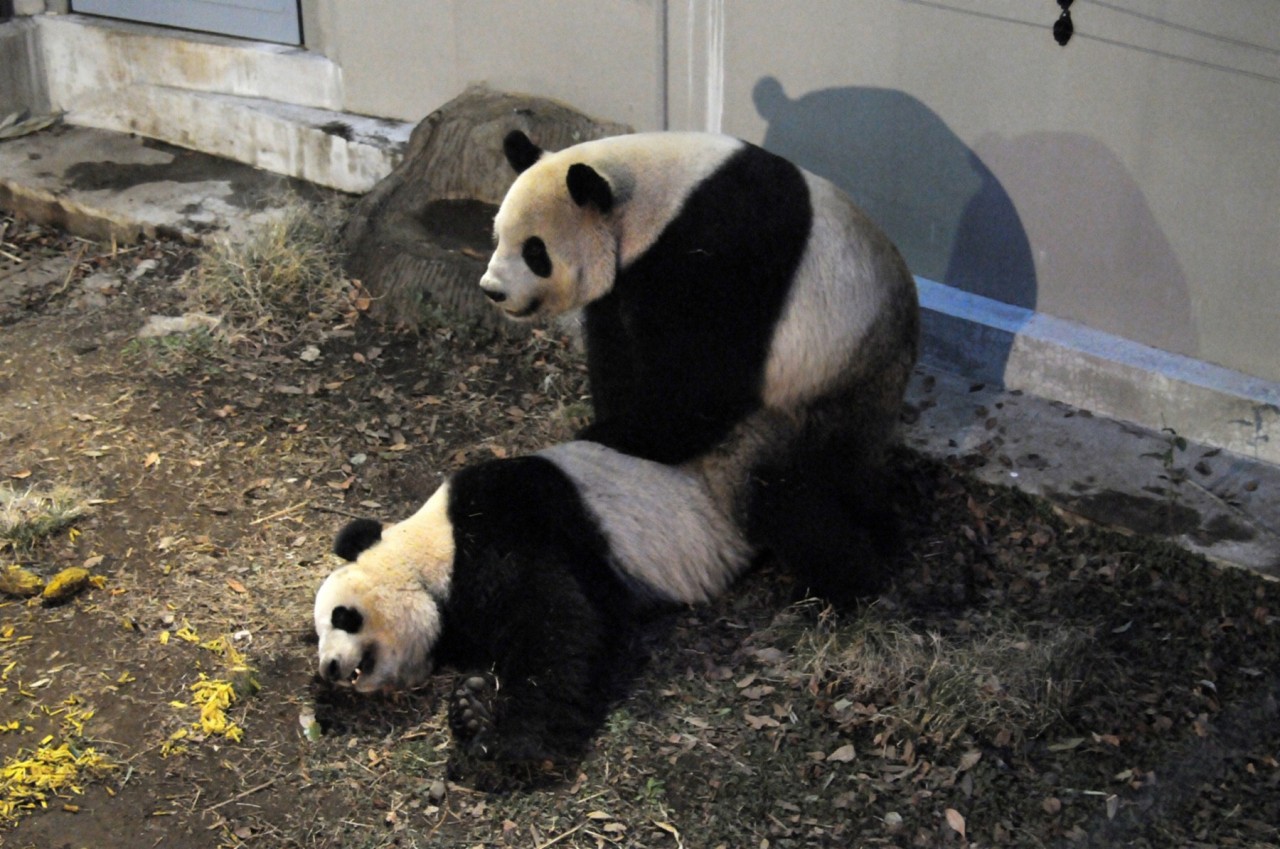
x=274, y=107
x=1020, y=349
x=1113, y=473
x=22, y=77
x=106, y=186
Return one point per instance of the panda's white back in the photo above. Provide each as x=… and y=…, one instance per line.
x=667, y=534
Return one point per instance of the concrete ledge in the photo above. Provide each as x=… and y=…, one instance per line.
x=350, y=153
x=1103, y=471
x=111, y=186
x=972, y=335
x=22, y=83
x=267, y=105
x=88, y=55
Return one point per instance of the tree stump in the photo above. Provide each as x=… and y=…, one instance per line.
x=421, y=238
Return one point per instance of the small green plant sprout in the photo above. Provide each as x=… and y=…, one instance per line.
x=654, y=790
x=1174, y=445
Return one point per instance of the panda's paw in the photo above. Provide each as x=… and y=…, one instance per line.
x=471, y=711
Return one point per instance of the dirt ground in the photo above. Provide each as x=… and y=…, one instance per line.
x=1028, y=681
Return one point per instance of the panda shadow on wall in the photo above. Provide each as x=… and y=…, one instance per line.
x=934, y=196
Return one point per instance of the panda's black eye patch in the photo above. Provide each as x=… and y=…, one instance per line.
x=347, y=619
x=535, y=256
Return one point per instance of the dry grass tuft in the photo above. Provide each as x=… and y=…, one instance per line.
x=1005, y=681
x=285, y=274
x=28, y=516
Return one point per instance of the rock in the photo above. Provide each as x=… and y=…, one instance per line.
x=422, y=236
x=171, y=325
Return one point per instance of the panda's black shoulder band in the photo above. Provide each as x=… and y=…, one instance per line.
x=356, y=537
x=520, y=152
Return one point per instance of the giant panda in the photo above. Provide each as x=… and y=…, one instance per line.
x=715, y=279
x=526, y=575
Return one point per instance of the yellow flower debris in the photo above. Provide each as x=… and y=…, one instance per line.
x=214, y=697
x=65, y=585
x=29, y=779
x=19, y=582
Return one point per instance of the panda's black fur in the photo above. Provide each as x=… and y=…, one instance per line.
x=671, y=368
x=752, y=275
x=529, y=579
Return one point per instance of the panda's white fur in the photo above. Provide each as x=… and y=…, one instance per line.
x=669, y=534
x=822, y=328
x=395, y=585
x=668, y=539
x=639, y=168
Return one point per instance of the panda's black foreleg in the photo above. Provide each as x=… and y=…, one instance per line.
x=547, y=693
x=471, y=711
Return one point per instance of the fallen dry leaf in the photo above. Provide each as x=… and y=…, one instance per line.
x=236, y=586
x=955, y=819
x=843, y=755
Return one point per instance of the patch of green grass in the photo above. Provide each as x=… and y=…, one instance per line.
x=29, y=516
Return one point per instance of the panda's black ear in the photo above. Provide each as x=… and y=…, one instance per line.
x=347, y=619
x=586, y=186
x=520, y=152
x=356, y=537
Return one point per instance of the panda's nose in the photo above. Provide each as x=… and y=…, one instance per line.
x=496, y=296
x=332, y=671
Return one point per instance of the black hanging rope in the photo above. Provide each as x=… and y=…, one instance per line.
x=1063, y=28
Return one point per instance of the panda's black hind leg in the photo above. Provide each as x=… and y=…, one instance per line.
x=838, y=540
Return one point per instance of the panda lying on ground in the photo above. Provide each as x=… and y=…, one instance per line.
x=526, y=575
x=716, y=279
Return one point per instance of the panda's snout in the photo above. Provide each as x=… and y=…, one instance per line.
x=333, y=671
x=495, y=295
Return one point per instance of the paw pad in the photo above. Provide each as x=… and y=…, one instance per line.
x=470, y=709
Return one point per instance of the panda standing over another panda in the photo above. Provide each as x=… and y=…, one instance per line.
x=749, y=338
x=717, y=280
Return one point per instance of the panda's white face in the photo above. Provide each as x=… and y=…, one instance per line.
x=553, y=255
x=378, y=618
x=374, y=635
x=574, y=218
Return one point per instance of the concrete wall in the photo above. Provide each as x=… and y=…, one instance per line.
x=1129, y=181
x=22, y=78
x=403, y=59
